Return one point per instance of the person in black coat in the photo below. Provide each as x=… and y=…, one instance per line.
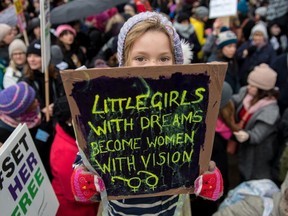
x=34, y=76
x=280, y=65
x=226, y=49
x=254, y=52
x=187, y=32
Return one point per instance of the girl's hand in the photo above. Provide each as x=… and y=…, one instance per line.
x=49, y=110
x=217, y=26
x=241, y=136
x=209, y=185
x=86, y=186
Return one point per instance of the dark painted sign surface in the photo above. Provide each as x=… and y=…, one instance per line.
x=143, y=135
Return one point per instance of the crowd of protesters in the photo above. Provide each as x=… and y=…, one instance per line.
x=252, y=126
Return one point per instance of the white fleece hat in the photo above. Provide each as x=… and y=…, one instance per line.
x=259, y=28
x=4, y=30
x=261, y=11
x=17, y=44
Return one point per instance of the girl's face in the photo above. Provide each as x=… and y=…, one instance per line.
x=275, y=30
x=252, y=90
x=229, y=50
x=37, y=32
x=67, y=38
x=34, y=105
x=9, y=37
x=128, y=9
x=34, y=61
x=19, y=57
x=15, y=31
x=258, y=39
x=152, y=48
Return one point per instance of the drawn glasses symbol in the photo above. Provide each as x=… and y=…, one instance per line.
x=135, y=182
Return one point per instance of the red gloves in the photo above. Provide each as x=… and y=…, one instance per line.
x=209, y=185
x=85, y=185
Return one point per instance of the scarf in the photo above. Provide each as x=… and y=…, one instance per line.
x=184, y=30
x=258, y=105
x=32, y=119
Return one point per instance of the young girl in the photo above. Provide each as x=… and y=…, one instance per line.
x=257, y=113
x=226, y=50
x=73, y=54
x=146, y=39
x=36, y=79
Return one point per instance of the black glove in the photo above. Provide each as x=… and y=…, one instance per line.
x=251, y=50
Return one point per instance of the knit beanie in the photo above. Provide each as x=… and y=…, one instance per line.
x=262, y=77
x=226, y=95
x=34, y=48
x=225, y=38
x=17, y=44
x=4, y=30
x=201, y=12
x=56, y=55
x=16, y=99
x=259, y=28
x=35, y=22
x=261, y=11
x=182, y=16
x=128, y=25
x=65, y=27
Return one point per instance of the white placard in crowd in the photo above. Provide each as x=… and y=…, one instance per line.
x=25, y=188
x=222, y=8
x=9, y=16
x=45, y=32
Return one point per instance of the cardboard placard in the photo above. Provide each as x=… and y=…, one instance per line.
x=8, y=16
x=25, y=188
x=147, y=131
x=20, y=15
x=222, y=8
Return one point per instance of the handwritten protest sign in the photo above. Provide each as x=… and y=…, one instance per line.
x=8, y=16
x=146, y=130
x=24, y=185
x=20, y=15
x=222, y=8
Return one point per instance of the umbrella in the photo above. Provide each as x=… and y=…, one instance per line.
x=79, y=9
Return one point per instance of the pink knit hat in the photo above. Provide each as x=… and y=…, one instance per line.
x=263, y=77
x=65, y=27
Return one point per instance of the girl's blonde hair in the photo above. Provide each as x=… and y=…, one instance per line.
x=151, y=24
x=141, y=23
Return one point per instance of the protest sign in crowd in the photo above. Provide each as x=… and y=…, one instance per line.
x=144, y=134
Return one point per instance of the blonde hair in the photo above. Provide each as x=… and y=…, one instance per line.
x=151, y=24
x=13, y=65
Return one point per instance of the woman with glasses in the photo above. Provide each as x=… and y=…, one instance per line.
x=17, y=53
